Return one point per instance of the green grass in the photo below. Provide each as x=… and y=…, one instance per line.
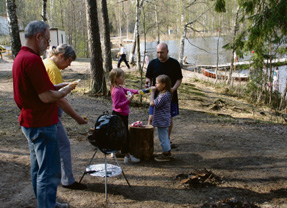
x=4, y=40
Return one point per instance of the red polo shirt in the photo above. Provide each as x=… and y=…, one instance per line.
x=29, y=80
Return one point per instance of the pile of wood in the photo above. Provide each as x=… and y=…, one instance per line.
x=218, y=104
x=230, y=203
x=199, y=178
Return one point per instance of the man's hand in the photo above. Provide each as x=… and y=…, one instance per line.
x=82, y=120
x=61, y=85
x=176, y=85
x=67, y=89
x=147, y=83
x=50, y=96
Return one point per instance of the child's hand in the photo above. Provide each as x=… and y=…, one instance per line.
x=130, y=96
x=153, y=88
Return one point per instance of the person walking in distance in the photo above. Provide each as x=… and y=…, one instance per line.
x=164, y=64
x=123, y=57
x=37, y=97
x=60, y=58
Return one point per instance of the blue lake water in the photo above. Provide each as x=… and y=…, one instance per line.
x=202, y=51
x=199, y=51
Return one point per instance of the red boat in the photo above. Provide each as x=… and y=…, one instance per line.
x=221, y=75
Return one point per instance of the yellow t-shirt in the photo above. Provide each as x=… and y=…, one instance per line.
x=53, y=71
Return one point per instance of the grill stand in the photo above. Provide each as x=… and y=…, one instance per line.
x=116, y=159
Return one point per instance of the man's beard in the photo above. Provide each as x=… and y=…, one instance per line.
x=42, y=48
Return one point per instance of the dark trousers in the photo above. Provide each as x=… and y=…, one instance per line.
x=123, y=58
x=126, y=147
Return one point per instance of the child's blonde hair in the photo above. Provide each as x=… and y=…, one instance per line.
x=114, y=74
x=164, y=79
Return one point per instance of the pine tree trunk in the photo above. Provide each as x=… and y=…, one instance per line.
x=107, y=41
x=138, y=36
x=44, y=16
x=98, y=83
x=13, y=27
x=44, y=11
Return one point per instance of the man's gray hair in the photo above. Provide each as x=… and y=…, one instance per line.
x=35, y=27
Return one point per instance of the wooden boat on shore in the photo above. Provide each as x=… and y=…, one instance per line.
x=221, y=75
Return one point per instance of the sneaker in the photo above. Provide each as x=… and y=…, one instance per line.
x=163, y=157
x=61, y=205
x=126, y=159
x=131, y=159
x=134, y=159
x=76, y=186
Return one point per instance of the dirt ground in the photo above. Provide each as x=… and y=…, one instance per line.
x=243, y=145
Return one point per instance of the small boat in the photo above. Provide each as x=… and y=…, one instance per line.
x=221, y=75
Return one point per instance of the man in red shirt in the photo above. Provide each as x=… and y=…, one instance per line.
x=36, y=97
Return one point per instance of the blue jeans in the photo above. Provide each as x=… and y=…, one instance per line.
x=163, y=138
x=67, y=177
x=45, y=163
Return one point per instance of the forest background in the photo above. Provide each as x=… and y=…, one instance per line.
x=70, y=16
x=250, y=25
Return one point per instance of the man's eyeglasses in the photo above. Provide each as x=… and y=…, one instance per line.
x=47, y=39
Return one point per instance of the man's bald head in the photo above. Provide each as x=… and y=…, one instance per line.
x=162, y=52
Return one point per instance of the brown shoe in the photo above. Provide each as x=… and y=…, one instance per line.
x=76, y=186
x=163, y=157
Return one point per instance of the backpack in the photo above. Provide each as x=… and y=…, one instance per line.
x=109, y=134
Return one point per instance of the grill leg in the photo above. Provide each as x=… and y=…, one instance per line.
x=122, y=169
x=89, y=165
x=106, y=186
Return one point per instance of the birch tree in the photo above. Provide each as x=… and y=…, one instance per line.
x=139, y=5
x=51, y=12
x=188, y=25
x=266, y=24
x=13, y=26
x=233, y=46
x=157, y=23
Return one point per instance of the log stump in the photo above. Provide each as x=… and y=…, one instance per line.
x=141, y=142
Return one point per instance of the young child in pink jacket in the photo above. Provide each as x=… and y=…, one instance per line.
x=121, y=98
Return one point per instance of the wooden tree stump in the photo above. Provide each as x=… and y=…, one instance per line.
x=141, y=142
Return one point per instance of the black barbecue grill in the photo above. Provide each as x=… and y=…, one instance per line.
x=108, y=136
